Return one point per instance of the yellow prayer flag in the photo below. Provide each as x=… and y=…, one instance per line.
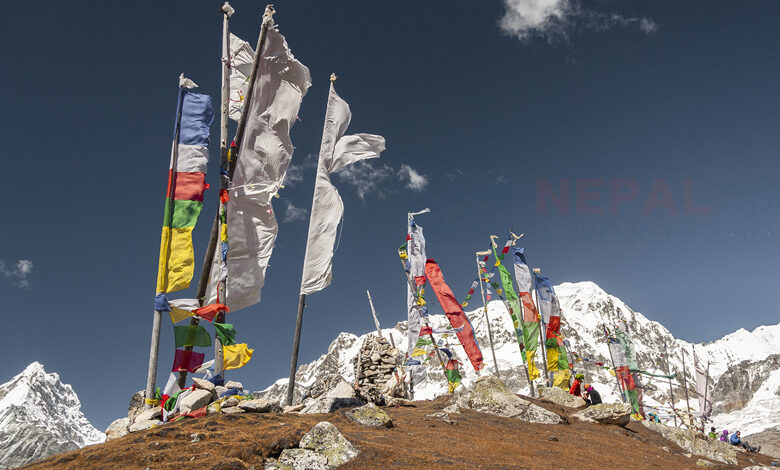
x=419, y=352
x=561, y=379
x=236, y=355
x=533, y=372
x=552, y=359
x=177, y=259
x=177, y=314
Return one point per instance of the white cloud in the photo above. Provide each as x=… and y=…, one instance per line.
x=553, y=20
x=18, y=273
x=293, y=213
x=366, y=178
x=414, y=180
x=295, y=171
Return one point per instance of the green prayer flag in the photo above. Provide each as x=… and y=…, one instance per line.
x=453, y=376
x=191, y=335
x=226, y=333
x=423, y=342
x=513, y=302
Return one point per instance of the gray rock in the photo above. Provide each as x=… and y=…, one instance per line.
x=203, y=384
x=704, y=463
x=301, y=459
x=234, y=384
x=606, y=413
x=151, y=413
x=219, y=390
x=341, y=390
x=490, y=395
x=326, y=440
x=329, y=405
x=293, y=408
x=441, y=416
x=451, y=408
x=141, y=425
x=196, y=437
x=232, y=410
x=259, y=405
x=560, y=397
x=136, y=405
x=196, y=400
x=117, y=428
x=696, y=443
x=230, y=401
x=370, y=415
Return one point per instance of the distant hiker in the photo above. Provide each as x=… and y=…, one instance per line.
x=575, y=387
x=736, y=441
x=725, y=436
x=712, y=433
x=591, y=395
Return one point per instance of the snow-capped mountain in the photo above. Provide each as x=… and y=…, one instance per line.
x=743, y=366
x=40, y=416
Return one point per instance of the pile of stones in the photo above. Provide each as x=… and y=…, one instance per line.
x=379, y=372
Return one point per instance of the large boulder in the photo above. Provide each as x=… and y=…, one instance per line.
x=118, y=428
x=196, y=400
x=203, y=384
x=696, y=443
x=560, y=397
x=259, y=405
x=327, y=441
x=295, y=459
x=151, y=413
x=342, y=395
x=370, y=415
x=606, y=413
x=490, y=395
x=142, y=425
x=136, y=405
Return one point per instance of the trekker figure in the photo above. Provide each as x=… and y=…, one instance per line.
x=736, y=441
x=712, y=433
x=591, y=395
x=575, y=387
x=725, y=436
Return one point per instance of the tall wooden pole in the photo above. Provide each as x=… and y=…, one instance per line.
x=542, y=331
x=151, y=375
x=671, y=391
x=296, y=346
x=214, y=238
x=685, y=384
x=373, y=313
x=484, y=307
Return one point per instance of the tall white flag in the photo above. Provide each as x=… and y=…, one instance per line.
x=703, y=387
x=336, y=152
x=241, y=57
x=264, y=154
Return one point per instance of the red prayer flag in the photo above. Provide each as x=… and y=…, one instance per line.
x=419, y=280
x=454, y=313
x=426, y=330
x=529, y=309
x=199, y=413
x=209, y=312
x=553, y=327
x=187, y=361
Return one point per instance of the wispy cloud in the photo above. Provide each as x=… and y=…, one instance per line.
x=414, y=180
x=374, y=178
x=293, y=213
x=555, y=20
x=295, y=171
x=18, y=273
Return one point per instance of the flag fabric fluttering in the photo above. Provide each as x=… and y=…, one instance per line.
x=625, y=369
x=524, y=282
x=454, y=313
x=241, y=57
x=513, y=302
x=264, y=154
x=550, y=310
x=703, y=388
x=186, y=183
x=336, y=152
x=415, y=265
x=236, y=355
x=191, y=335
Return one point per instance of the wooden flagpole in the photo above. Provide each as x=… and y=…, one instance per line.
x=214, y=238
x=685, y=385
x=484, y=307
x=671, y=391
x=376, y=320
x=542, y=331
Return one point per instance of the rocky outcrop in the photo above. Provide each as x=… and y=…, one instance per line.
x=769, y=441
x=370, y=415
x=118, y=428
x=606, y=413
x=560, y=397
x=490, y=395
x=340, y=396
x=321, y=448
x=739, y=383
x=259, y=405
x=696, y=443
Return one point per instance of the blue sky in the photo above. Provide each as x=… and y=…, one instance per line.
x=660, y=118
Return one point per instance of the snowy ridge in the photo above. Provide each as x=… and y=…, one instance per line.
x=586, y=307
x=40, y=416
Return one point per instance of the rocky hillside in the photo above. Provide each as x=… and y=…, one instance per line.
x=743, y=365
x=40, y=416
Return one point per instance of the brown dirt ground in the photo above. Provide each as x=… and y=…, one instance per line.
x=476, y=441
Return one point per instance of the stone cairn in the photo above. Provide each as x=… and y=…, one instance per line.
x=379, y=373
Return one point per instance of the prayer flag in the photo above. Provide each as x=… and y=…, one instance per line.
x=226, y=333
x=188, y=361
x=209, y=312
x=336, y=152
x=191, y=335
x=182, y=309
x=522, y=271
x=186, y=182
x=454, y=313
x=241, y=57
x=236, y=355
x=512, y=301
x=703, y=387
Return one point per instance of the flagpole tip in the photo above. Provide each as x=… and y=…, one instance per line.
x=333, y=77
x=268, y=16
x=227, y=9
x=537, y=270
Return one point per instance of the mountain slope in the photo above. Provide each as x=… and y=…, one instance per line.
x=40, y=416
x=586, y=307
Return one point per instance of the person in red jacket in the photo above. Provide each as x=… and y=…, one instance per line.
x=575, y=387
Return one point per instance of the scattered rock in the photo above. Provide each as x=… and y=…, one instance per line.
x=231, y=410
x=219, y=390
x=552, y=438
x=606, y=413
x=196, y=437
x=441, y=416
x=230, y=402
x=151, y=413
x=370, y=415
x=560, y=397
x=136, y=405
x=196, y=400
x=326, y=440
x=329, y=405
x=234, y=384
x=392, y=401
x=141, y=425
x=117, y=428
x=451, y=408
x=259, y=405
x=293, y=408
x=295, y=459
x=696, y=443
x=203, y=384
x=704, y=463
x=490, y=395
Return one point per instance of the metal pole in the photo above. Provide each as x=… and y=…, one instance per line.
x=153, y=351
x=484, y=306
x=373, y=312
x=542, y=331
x=296, y=344
x=671, y=392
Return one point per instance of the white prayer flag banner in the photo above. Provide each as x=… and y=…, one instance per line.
x=241, y=57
